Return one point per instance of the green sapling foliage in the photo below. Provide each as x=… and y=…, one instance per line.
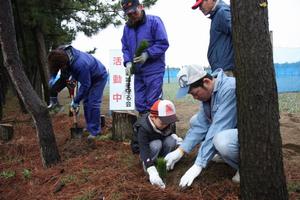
x=141, y=48
x=26, y=173
x=162, y=168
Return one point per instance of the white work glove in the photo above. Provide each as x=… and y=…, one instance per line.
x=179, y=140
x=173, y=157
x=189, y=176
x=154, y=177
x=74, y=107
x=141, y=59
x=128, y=68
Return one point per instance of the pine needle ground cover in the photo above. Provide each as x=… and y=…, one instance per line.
x=112, y=171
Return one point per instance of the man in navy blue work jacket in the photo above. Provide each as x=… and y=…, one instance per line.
x=92, y=76
x=220, y=50
x=150, y=65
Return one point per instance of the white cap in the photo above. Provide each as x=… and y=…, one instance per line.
x=188, y=75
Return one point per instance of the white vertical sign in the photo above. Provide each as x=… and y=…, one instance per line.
x=121, y=97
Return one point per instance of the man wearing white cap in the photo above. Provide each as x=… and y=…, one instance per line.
x=214, y=126
x=156, y=137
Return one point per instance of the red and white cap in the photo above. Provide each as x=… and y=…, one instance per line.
x=197, y=4
x=165, y=110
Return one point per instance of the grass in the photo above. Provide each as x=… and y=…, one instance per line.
x=69, y=179
x=87, y=195
x=128, y=160
x=8, y=174
x=170, y=91
x=293, y=186
x=7, y=159
x=104, y=137
x=288, y=102
x=116, y=196
x=86, y=172
x=26, y=174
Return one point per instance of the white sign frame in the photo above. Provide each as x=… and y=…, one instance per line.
x=119, y=96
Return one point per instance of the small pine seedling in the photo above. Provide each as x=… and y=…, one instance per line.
x=141, y=48
x=26, y=173
x=162, y=168
x=8, y=174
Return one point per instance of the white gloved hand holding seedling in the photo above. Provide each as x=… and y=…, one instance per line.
x=173, y=157
x=154, y=177
x=128, y=68
x=141, y=59
x=179, y=140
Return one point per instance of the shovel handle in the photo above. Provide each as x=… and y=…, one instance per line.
x=74, y=113
x=75, y=118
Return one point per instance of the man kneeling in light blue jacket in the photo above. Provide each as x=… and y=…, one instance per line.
x=214, y=126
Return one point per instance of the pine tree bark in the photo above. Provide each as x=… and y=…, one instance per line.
x=261, y=166
x=122, y=125
x=3, y=87
x=36, y=108
x=42, y=60
x=21, y=41
x=1, y=107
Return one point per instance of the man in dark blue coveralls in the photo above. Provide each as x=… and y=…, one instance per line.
x=92, y=76
x=150, y=65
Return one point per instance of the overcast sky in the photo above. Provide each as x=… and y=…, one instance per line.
x=188, y=33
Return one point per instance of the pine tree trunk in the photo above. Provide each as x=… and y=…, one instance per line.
x=3, y=86
x=1, y=99
x=21, y=41
x=122, y=125
x=1, y=108
x=38, y=82
x=36, y=108
x=261, y=166
x=42, y=60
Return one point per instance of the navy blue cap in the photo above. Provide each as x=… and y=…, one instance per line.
x=129, y=6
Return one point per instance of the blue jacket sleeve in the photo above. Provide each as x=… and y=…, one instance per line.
x=224, y=118
x=125, y=50
x=198, y=129
x=224, y=22
x=161, y=43
x=84, y=78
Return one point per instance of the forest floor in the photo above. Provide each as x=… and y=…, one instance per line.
x=110, y=171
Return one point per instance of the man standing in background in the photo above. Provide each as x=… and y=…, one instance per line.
x=149, y=67
x=220, y=50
